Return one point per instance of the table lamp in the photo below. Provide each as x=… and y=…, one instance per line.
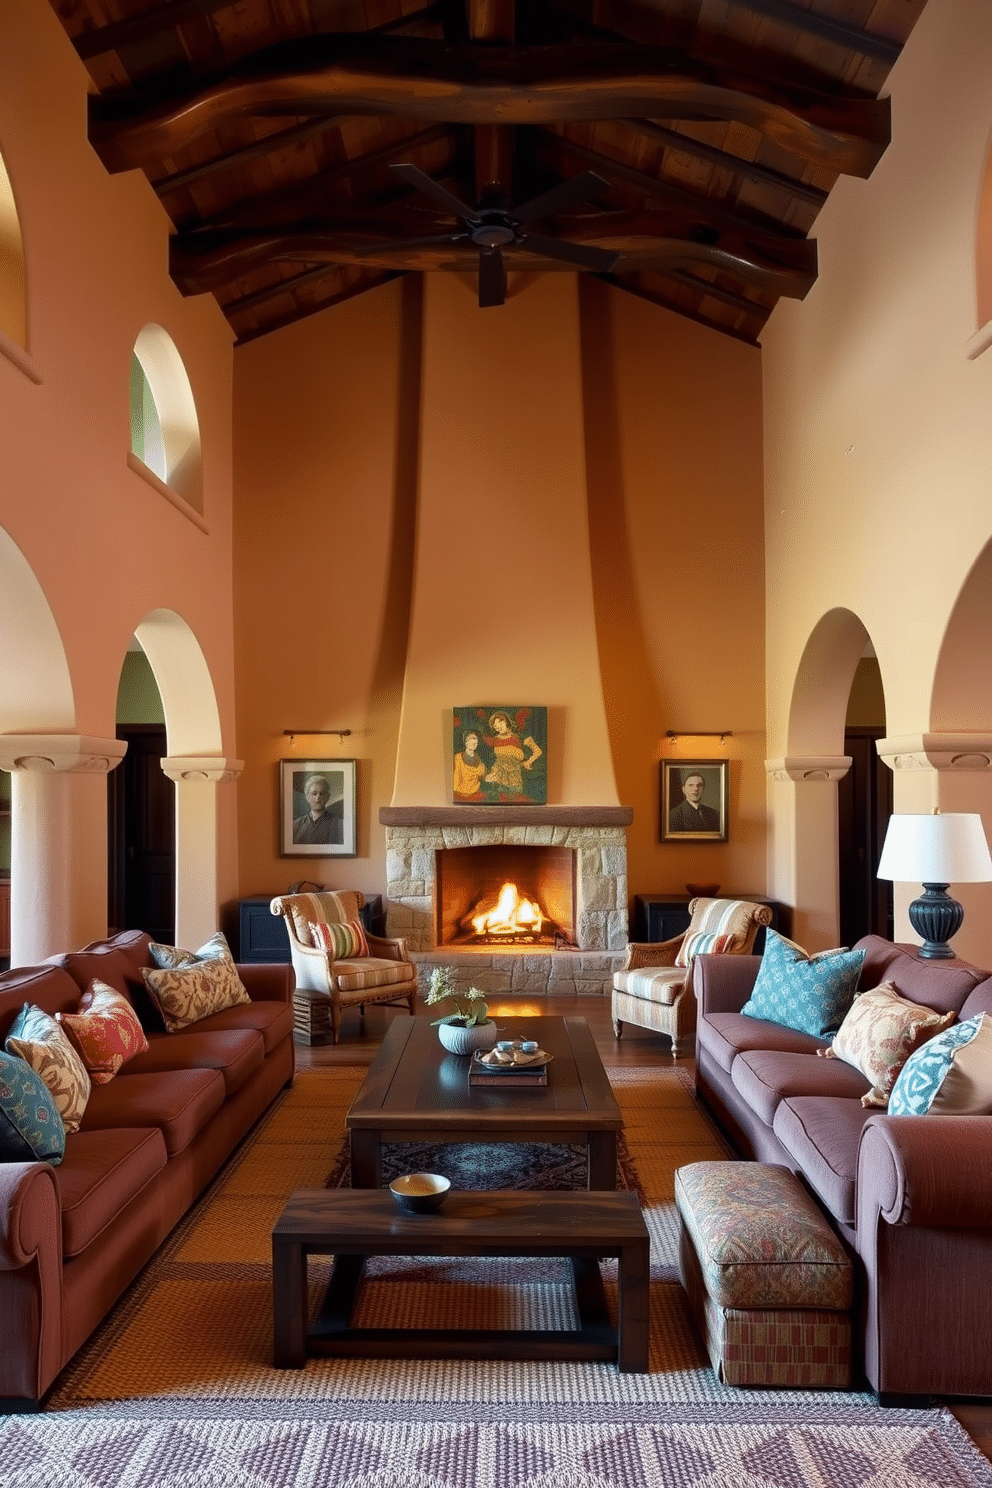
x=936, y=850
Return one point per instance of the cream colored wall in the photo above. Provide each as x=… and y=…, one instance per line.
x=105, y=547
x=878, y=455
x=333, y=421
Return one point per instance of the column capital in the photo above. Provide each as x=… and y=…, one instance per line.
x=215, y=767
x=937, y=752
x=804, y=769
x=79, y=754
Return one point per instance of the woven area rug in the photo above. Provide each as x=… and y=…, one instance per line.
x=176, y=1389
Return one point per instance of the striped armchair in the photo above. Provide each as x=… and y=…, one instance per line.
x=330, y=979
x=654, y=990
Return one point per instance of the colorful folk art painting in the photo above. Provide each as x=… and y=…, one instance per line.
x=499, y=756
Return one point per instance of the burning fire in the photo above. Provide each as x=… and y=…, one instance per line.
x=512, y=915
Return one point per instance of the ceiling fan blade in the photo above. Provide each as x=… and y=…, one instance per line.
x=398, y=243
x=600, y=260
x=492, y=278
x=561, y=198
x=425, y=183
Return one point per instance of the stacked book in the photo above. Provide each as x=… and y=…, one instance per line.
x=509, y=1065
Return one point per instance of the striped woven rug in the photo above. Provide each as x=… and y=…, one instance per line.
x=176, y=1389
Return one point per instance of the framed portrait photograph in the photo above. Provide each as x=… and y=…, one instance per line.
x=317, y=808
x=694, y=800
x=499, y=755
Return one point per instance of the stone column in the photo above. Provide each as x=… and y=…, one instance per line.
x=806, y=865
x=58, y=869
x=952, y=772
x=197, y=895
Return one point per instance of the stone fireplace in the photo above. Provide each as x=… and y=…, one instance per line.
x=591, y=840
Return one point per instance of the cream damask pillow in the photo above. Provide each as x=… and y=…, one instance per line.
x=37, y=1039
x=190, y=985
x=879, y=1033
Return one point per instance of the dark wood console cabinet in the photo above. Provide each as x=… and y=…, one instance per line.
x=661, y=916
x=262, y=936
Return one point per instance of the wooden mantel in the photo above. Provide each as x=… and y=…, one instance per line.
x=506, y=816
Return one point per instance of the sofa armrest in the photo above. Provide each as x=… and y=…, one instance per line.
x=386, y=949
x=723, y=984
x=268, y=981
x=652, y=953
x=30, y=1221
x=927, y=1171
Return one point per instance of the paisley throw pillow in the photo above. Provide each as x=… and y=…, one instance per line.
x=36, y=1038
x=105, y=1032
x=808, y=993
x=31, y=1129
x=879, y=1034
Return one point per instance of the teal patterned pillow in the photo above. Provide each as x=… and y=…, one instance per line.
x=950, y=1073
x=808, y=993
x=31, y=1128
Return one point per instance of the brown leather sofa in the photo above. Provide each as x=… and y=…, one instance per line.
x=911, y=1196
x=72, y=1237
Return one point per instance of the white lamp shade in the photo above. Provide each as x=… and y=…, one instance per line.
x=939, y=849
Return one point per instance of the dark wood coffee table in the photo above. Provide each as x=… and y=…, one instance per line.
x=416, y=1092
x=352, y=1224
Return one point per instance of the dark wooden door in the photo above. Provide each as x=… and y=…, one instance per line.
x=142, y=837
x=864, y=805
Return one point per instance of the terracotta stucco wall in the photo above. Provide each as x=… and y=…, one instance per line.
x=104, y=546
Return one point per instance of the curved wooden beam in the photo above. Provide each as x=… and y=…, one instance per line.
x=649, y=241
x=492, y=84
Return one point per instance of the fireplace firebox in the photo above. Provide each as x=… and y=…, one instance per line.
x=508, y=895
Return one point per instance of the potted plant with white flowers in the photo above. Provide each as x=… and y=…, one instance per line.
x=469, y=1027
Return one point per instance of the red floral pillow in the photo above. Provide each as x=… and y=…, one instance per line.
x=105, y=1032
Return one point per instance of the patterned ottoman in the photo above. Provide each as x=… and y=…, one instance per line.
x=768, y=1281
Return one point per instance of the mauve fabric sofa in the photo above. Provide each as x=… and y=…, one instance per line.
x=72, y=1237
x=911, y=1196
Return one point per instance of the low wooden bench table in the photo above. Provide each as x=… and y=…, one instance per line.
x=352, y=1224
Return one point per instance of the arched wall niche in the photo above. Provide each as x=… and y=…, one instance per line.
x=13, y=275
x=176, y=409
x=983, y=244
x=823, y=684
x=961, y=695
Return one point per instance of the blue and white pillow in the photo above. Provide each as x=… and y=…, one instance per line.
x=951, y=1074
x=808, y=993
x=31, y=1128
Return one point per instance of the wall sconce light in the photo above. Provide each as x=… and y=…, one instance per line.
x=721, y=734
x=291, y=734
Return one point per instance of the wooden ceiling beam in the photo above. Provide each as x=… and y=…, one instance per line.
x=276, y=141
x=491, y=84
x=348, y=293
x=646, y=241
x=154, y=22
x=630, y=286
x=701, y=210
x=271, y=206
x=867, y=43
x=291, y=285
x=749, y=168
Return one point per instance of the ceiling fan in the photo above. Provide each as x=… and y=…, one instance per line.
x=491, y=228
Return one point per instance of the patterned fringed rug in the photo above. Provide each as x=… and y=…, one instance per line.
x=176, y=1390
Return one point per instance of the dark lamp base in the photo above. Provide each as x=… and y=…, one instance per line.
x=936, y=916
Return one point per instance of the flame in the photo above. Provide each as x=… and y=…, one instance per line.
x=512, y=915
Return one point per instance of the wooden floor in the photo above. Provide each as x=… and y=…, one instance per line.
x=360, y=1039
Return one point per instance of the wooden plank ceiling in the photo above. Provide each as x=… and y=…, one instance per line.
x=687, y=145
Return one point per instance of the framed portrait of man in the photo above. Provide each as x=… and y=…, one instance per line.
x=317, y=808
x=694, y=800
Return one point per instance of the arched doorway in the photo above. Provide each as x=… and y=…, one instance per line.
x=141, y=811
x=864, y=805
x=817, y=763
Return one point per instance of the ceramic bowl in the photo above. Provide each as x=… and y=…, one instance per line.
x=702, y=891
x=419, y=1193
